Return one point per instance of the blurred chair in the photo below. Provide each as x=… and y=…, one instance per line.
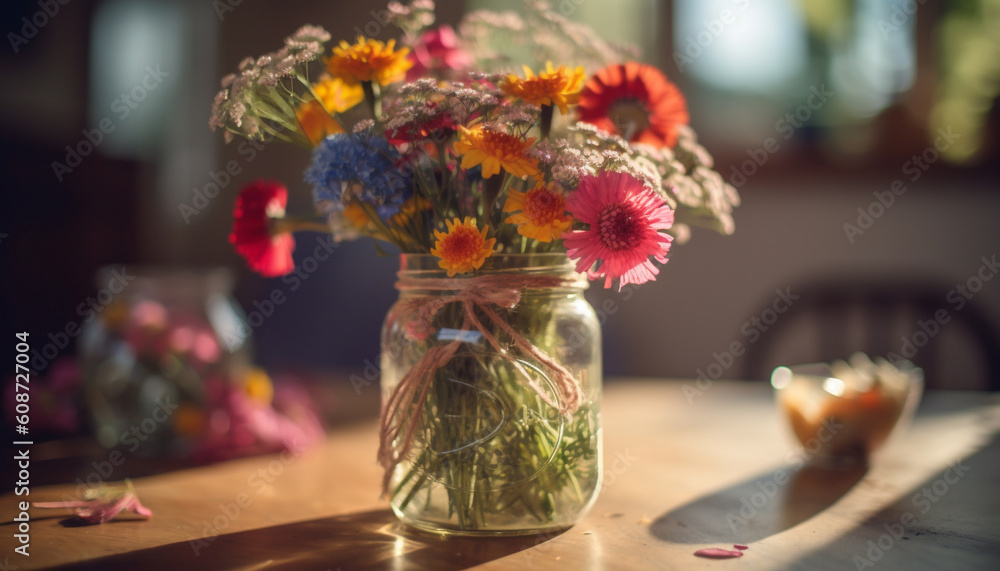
x=833, y=319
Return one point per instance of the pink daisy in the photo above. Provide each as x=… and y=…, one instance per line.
x=625, y=219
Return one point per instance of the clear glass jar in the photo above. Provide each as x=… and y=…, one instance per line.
x=157, y=337
x=486, y=442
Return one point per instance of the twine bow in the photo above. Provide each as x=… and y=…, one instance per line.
x=482, y=293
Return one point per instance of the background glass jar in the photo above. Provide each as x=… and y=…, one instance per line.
x=148, y=354
x=485, y=446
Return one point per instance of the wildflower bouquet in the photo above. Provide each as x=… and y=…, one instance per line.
x=482, y=171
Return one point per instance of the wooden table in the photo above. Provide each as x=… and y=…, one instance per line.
x=677, y=474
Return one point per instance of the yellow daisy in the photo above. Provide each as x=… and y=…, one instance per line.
x=540, y=212
x=557, y=87
x=463, y=248
x=316, y=116
x=495, y=149
x=410, y=207
x=369, y=60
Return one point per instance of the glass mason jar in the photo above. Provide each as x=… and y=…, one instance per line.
x=491, y=390
x=151, y=348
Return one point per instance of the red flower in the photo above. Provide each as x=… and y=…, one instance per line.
x=625, y=219
x=267, y=251
x=635, y=101
x=437, y=128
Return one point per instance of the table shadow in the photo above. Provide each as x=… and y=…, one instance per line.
x=757, y=508
x=949, y=521
x=364, y=540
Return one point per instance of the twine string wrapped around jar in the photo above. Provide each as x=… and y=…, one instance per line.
x=481, y=293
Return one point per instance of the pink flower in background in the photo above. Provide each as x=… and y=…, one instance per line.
x=55, y=397
x=152, y=331
x=146, y=328
x=192, y=338
x=206, y=347
x=245, y=420
x=149, y=315
x=438, y=50
x=625, y=218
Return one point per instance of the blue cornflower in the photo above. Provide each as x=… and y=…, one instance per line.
x=365, y=159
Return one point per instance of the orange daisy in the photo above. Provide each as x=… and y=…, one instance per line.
x=258, y=386
x=369, y=60
x=187, y=420
x=557, y=87
x=463, y=248
x=495, y=149
x=635, y=101
x=316, y=116
x=541, y=212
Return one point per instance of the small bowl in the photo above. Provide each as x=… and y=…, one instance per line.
x=843, y=412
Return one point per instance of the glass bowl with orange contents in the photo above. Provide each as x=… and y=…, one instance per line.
x=843, y=412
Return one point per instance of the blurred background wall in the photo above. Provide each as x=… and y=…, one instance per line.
x=812, y=108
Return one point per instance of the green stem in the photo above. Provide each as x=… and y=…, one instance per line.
x=532, y=468
x=373, y=97
x=443, y=162
x=280, y=135
x=289, y=224
x=491, y=189
x=546, y=121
